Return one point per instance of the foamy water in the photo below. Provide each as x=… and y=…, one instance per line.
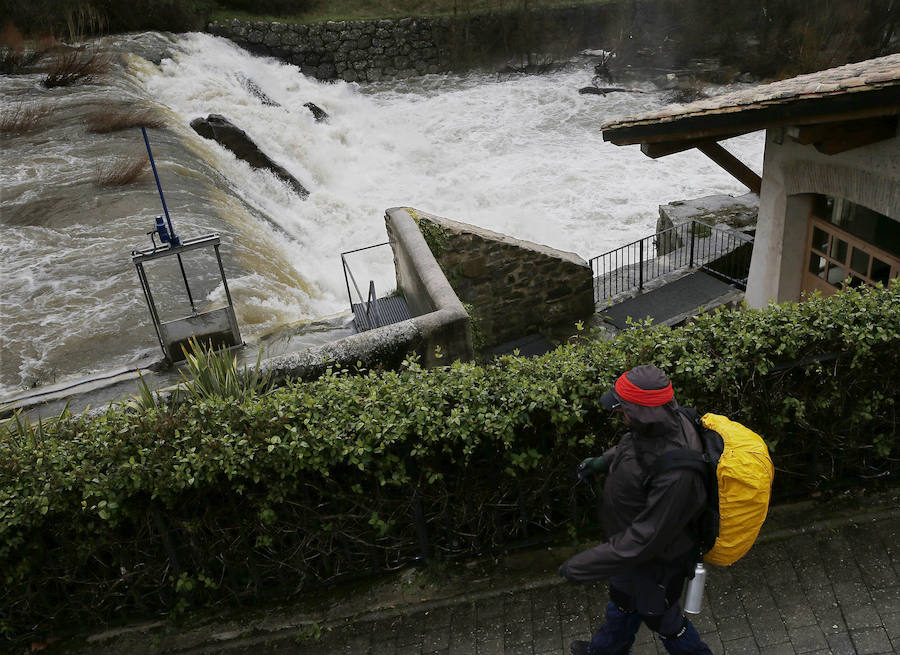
x=522, y=155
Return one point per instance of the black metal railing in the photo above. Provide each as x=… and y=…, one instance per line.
x=370, y=304
x=722, y=252
x=371, y=311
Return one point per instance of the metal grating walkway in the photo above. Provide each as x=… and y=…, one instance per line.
x=685, y=295
x=381, y=312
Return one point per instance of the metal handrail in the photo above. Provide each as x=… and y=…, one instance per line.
x=371, y=303
x=691, y=244
x=347, y=270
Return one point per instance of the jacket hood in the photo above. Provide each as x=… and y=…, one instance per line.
x=654, y=428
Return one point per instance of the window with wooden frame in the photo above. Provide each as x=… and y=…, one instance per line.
x=849, y=244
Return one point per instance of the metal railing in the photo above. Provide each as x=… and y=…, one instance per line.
x=370, y=304
x=719, y=251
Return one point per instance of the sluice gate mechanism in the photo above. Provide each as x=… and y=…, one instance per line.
x=216, y=326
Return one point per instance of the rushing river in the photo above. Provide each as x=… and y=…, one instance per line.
x=522, y=155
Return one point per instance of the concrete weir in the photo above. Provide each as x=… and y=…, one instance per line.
x=439, y=332
x=439, y=264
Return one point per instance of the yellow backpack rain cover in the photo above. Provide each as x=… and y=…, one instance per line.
x=744, y=473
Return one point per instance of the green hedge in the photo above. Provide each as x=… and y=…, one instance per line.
x=145, y=511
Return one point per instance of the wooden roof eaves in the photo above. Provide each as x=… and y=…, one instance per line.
x=726, y=122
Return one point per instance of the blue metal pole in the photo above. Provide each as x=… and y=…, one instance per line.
x=175, y=240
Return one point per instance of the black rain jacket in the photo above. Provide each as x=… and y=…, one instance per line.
x=648, y=523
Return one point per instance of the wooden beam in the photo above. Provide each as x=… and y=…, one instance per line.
x=657, y=150
x=731, y=164
x=855, y=134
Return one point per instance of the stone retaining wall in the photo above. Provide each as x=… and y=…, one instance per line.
x=348, y=50
x=358, y=51
x=514, y=288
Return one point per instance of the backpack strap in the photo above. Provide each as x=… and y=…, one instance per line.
x=693, y=416
x=679, y=458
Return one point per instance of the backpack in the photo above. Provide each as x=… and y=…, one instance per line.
x=738, y=472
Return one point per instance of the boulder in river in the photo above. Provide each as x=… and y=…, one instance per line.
x=319, y=113
x=227, y=134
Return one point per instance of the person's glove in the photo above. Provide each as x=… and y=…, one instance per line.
x=592, y=466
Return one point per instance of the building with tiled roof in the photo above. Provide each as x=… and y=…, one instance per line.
x=830, y=189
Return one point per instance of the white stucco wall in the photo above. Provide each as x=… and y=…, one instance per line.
x=869, y=176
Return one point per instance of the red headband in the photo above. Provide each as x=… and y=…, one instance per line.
x=632, y=393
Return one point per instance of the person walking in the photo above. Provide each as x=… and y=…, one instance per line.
x=648, y=521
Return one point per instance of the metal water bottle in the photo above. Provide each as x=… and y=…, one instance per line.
x=693, y=599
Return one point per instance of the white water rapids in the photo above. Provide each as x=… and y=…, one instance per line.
x=522, y=155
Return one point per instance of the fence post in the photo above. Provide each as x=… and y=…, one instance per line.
x=693, y=224
x=641, y=265
x=421, y=527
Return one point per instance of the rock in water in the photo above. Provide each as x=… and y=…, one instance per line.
x=603, y=90
x=319, y=113
x=255, y=91
x=219, y=129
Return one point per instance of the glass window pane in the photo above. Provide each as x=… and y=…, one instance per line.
x=881, y=271
x=836, y=275
x=859, y=262
x=871, y=226
x=823, y=207
x=838, y=250
x=857, y=282
x=817, y=265
x=820, y=240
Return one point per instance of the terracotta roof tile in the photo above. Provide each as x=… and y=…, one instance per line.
x=853, y=78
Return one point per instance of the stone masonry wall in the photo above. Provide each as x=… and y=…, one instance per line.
x=515, y=288
x=349, y=50
x=359, y=51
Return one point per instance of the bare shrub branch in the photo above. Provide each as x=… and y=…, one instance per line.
x=115, y=119
x=75, y=66
x=24, y=117
x=15, y=53
x=122, y=172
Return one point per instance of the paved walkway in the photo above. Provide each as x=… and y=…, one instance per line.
x=820, y=580
x=834, y=591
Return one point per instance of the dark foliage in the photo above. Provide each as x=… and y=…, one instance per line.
x=74, y=19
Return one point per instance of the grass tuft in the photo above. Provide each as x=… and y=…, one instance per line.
x=212, y=373
x=115, y=120
x=75, y=67
x=24, y=117
x=121, y=172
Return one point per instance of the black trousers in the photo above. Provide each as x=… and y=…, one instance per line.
x=656, y=598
